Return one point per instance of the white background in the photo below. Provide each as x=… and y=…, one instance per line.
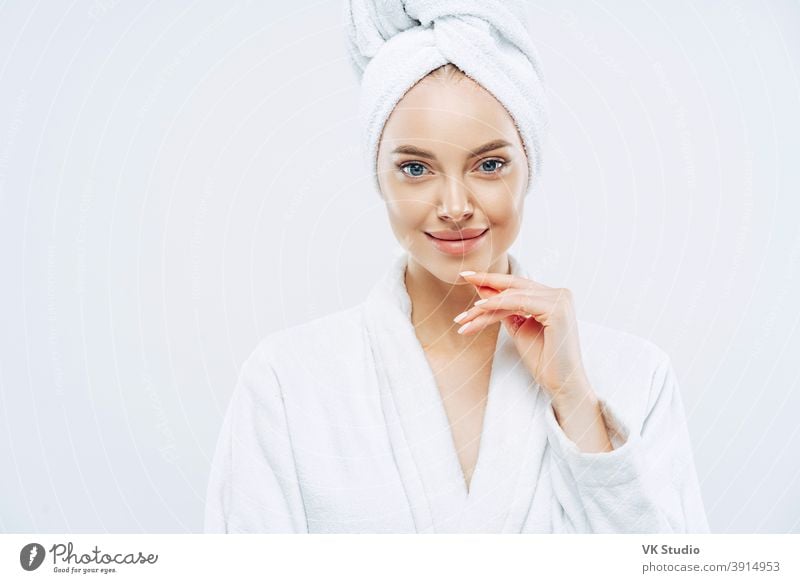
x=177, y=181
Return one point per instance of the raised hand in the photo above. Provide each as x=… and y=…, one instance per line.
x=542, y=322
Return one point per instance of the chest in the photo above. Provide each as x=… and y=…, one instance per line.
x=463, y=384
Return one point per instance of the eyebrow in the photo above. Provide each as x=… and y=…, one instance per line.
x=415, y=151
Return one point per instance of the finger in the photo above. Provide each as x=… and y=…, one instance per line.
x=484, y=293
x=499, y=281
x=522, y=303
x=473, y=313
x=481, y=321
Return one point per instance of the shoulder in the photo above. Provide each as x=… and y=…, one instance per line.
x=611, y=344
x=324, y=332
x=318, y=344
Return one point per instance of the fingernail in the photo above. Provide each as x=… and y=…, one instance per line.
x=464, y=327
x=479, y=302
x=463, y=273
x=460, y=317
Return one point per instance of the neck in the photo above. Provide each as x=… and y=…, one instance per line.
x=434, y=304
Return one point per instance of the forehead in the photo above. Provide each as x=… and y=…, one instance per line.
x=449, y=113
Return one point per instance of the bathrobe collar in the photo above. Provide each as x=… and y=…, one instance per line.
x=513, y=437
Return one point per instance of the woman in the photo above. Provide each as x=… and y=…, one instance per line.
x=462, y=395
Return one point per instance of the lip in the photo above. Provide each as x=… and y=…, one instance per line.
x=458, y=246
x=450, y=235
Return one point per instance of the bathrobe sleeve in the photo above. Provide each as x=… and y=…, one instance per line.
x=647, y=484
x=253, y=484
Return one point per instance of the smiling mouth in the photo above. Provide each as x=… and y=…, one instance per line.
x=458, y=238
x=458, y=247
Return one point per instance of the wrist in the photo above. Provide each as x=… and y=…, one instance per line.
x=569, y=398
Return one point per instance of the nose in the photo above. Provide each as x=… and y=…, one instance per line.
x=456, y=201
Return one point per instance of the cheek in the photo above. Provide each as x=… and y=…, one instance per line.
x=407, y=217
x=502, y=209
x=406, y=210
x=504, y=215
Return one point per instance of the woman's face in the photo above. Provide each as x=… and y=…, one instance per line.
x=451, y=161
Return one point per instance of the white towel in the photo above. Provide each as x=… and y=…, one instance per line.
x=395, y=43
x=337, y=426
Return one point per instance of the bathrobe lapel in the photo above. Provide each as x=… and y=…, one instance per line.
x=512, y=441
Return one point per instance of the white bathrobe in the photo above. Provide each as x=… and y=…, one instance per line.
x=337, y=426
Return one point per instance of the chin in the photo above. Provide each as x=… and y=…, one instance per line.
x=447, y=270
x=446, y=267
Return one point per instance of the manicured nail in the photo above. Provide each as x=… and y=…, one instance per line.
x=463, y=273
x=464, y=327
x=479, y=302
x=460, y=317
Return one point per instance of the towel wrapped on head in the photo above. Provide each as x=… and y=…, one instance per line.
x=395, y=43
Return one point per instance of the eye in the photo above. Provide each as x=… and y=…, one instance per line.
x=415, y=167
x=494, y=165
